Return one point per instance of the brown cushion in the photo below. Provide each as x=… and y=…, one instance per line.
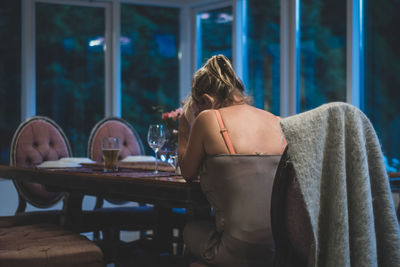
x=128, y=143
x=46, y=245
x=34, y=217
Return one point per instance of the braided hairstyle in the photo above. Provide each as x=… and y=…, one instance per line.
x=218, y=79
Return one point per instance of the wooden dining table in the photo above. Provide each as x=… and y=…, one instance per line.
x=166, y=190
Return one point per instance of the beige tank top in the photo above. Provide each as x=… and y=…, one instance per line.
x=239, y=189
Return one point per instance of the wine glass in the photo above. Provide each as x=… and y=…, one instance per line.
x=156, y=139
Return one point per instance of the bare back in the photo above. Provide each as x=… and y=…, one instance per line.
x=251, y=130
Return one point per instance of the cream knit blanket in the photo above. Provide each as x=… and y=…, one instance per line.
x=339, y=166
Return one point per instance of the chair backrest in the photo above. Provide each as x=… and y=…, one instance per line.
x=129, y=141
x=290, y=222
x=38, y=139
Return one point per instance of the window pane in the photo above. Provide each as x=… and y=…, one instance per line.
x=382, y=68
x=214, y=31
x=70, y=69
x=264, y=53
x=150, y=66
x=10, y=74
x=323, y=52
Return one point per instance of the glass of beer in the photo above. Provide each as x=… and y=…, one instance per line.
x=110, y=149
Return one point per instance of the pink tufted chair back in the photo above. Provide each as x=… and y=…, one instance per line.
x=38, y=139
x=129, y=141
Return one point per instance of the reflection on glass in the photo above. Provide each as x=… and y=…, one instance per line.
x=323, y=52
x=10, y=73
x=382, y=79
x=264, y=53
x=214, y=34
x=70, y=68
x=150, y=66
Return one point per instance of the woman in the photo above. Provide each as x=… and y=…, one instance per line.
x=235, y=149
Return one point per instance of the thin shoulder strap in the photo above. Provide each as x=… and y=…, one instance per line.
x=224, y=132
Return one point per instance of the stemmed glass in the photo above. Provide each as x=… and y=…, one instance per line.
x=156, y=139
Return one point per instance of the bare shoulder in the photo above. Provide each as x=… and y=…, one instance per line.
x=205, y=117
x=266, y=114
x=203, y=121
x=253, y=112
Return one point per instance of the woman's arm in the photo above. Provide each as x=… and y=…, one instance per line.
x=190, y=147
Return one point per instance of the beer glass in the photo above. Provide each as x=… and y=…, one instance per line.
x=110, y=149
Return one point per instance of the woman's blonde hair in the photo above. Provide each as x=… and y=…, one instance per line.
x=218, y=79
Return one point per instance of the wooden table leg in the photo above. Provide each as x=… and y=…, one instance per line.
x=72, y=211
x=163, y=229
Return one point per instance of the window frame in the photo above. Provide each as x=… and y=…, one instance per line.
x=290, y=53
x=197, y=41
x=112, y=70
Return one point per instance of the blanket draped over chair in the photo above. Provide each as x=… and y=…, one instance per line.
x=339, y=166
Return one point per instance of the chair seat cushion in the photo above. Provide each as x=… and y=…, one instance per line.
x=46, y=245
x=35, y=217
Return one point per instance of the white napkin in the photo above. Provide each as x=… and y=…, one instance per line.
x=77, y=160
x=139, y=158
x=58, y=164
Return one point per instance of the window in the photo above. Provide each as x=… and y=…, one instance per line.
x=150, y=65
x=323, y=52
x=382, y=79
x=264, y=54
x=10, y=74
x=70, y=68
x=214, y=34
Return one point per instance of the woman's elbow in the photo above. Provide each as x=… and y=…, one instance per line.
x=187, y=174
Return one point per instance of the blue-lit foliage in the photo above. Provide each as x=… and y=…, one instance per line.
x=264, y=53
x=382, y=68
x=70, y=69
x=150, y=66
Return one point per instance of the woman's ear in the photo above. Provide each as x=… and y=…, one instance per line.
x=208, y=101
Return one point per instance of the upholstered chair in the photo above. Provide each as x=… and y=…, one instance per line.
x=129, y=143
x=36, y=238
x=136, y=218
x=291, y=225
x=37, y=139
x=37, y=245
